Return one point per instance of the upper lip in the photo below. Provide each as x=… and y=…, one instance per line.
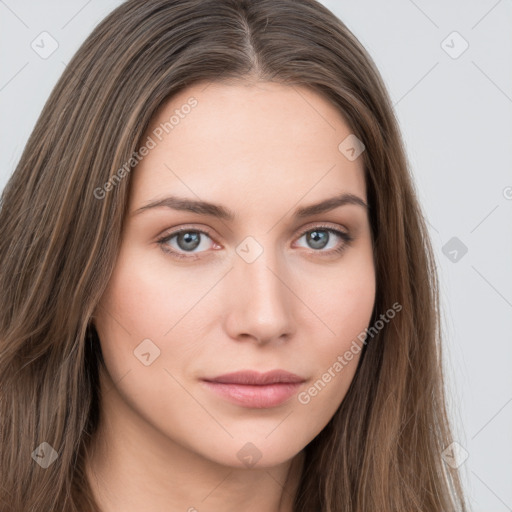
x=250, y=377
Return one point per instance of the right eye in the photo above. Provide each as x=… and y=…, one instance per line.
x=183, y=241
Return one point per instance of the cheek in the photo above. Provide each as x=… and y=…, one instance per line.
x=129, y=312
x=349, y=307
x=148, y=299
x=343, y=301
x=345, y=310
x=146, y=296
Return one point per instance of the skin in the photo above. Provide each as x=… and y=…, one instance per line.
x=165, y=442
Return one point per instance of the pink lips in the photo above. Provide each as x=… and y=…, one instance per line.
x=255, y=390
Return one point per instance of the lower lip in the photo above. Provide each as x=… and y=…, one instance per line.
x=257, y=397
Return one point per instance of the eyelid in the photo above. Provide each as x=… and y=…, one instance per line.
x=185, y=227
x=325, y=225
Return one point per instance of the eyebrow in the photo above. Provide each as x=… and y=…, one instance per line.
x=221, y=212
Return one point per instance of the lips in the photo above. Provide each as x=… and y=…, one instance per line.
x=255, y=390
x=249, y=377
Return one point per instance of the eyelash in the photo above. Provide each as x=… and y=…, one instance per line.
x=344, y=236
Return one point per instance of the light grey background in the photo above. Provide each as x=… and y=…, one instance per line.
x=456, y=119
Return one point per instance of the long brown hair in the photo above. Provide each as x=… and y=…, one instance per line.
x=381, y=451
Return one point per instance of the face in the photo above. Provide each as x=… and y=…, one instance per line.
x=251, y=284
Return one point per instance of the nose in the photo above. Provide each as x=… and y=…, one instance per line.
x=260, y=301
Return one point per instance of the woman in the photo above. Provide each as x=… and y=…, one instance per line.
x=218, y=287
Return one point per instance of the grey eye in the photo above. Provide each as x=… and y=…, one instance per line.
x=188, y=240
x=317, y=238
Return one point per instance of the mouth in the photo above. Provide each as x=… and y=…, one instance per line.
x=255, y=390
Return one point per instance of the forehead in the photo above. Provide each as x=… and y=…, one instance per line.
x=250, y=141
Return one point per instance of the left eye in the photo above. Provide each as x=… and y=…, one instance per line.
x=188, y=240
x=319, y=237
